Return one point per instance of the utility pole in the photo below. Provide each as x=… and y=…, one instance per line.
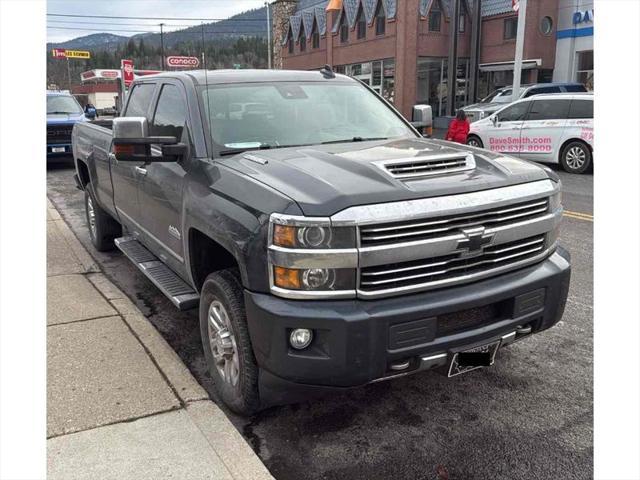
x=268, y=35
x=517, y=64
x=69, y=74
x=476, y=35
x=162, y=43
x=452, y=71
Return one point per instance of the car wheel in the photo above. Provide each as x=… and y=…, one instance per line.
x=226, y=342
x=474, y=141
x=575, y=157
x=103, y=229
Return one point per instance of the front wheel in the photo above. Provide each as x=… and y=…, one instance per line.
x=226, y=342
x=474, y=141
x=575, y=157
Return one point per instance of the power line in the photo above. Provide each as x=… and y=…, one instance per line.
x=73, y=22
x=154, y=32
x=158, y=18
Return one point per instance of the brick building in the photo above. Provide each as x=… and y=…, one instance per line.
x=401, y=48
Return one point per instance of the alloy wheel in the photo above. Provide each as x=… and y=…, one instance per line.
x=223, y=343
x=575, y=157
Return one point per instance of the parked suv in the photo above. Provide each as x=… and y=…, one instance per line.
x=502, y=96
x=325, y=242
x=544, y=128
x=63, y=111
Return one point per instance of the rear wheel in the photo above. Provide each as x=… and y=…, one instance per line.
x=576, y=157
x=474, y=141
x=103, y=229
x=226, y=342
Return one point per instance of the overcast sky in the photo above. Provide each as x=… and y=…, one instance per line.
x=135, y=8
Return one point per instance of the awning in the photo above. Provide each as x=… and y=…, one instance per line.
x=505, y=66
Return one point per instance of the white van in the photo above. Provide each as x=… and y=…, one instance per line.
x=554, y=128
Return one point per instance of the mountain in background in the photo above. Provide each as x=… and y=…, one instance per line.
x=252, y=23
x=106, y=41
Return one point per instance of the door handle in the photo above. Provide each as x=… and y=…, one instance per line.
x=141, y=170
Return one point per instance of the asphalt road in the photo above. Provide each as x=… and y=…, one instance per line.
x=527, y=417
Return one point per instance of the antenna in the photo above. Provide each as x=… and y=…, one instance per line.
x=206, y=78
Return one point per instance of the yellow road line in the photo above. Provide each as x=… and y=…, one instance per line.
x=578, y=216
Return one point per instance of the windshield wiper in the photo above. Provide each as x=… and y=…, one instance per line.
x=235, y=151
x=354, y=139
x=60, y=113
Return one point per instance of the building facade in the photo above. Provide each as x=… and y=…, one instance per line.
x=401, y=47
x=574, y=49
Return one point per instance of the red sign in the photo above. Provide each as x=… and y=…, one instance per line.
x=127, y=71
x=515, y=4
x=183, y=62
x=59, y=53
x=110, y=73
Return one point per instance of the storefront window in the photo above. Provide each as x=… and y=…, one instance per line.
x=433, y=86
x=379, y=75
x=584, y=72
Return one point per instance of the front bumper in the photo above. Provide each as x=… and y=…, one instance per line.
x=356, y=341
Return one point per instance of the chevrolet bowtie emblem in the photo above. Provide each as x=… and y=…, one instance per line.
x=474, y=242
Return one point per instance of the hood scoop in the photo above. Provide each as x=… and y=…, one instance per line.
x=415, y=167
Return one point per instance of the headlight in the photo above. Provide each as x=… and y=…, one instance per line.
x=310, y=258
x=555, y=201
x=313, y=236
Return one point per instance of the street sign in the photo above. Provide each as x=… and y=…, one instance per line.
x=183, y=62
x=63, y=53
x=77, y=54
x=127, y=71
x=515, y=4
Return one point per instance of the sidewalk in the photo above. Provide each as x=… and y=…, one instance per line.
x=120, y=403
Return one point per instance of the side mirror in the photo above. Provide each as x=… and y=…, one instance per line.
x=494, y=119
x=131, y=142
x=90, y=113
x=422, y=119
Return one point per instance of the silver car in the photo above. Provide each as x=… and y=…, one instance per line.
x=503, y=96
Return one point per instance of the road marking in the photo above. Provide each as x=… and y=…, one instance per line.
x=578, y=215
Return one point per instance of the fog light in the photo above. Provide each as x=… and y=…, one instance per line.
x=300, y=338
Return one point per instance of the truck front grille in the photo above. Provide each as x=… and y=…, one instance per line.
x=452, y=268
x=59, y=134
x=392, y=233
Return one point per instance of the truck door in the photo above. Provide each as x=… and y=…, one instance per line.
x=160, y=190
x=542, y=129
x=504, y=135
x=126, y=175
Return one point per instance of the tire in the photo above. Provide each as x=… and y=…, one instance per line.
x=226, y=342
x=474, y=141
x=103, y=229
x=576, y=157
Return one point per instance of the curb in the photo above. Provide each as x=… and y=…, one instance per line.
x=228, y=444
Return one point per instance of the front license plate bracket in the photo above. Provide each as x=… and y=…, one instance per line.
x=473, y=358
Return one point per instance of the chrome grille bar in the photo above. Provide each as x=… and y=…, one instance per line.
x=518, y=250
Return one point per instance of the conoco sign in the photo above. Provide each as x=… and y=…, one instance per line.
x=183, y=62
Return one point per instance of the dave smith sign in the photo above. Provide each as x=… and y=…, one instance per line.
x=585, y=16
x=183, y=62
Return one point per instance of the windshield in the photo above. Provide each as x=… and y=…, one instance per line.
x=498, y=96
x=283, y=114
x=62, y=104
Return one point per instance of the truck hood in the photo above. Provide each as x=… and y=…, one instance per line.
x=326, y=179
x=71, y=118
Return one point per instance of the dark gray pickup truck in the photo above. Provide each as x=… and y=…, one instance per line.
x=325, y=242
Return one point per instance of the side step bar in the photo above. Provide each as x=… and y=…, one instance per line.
x=177, y=290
